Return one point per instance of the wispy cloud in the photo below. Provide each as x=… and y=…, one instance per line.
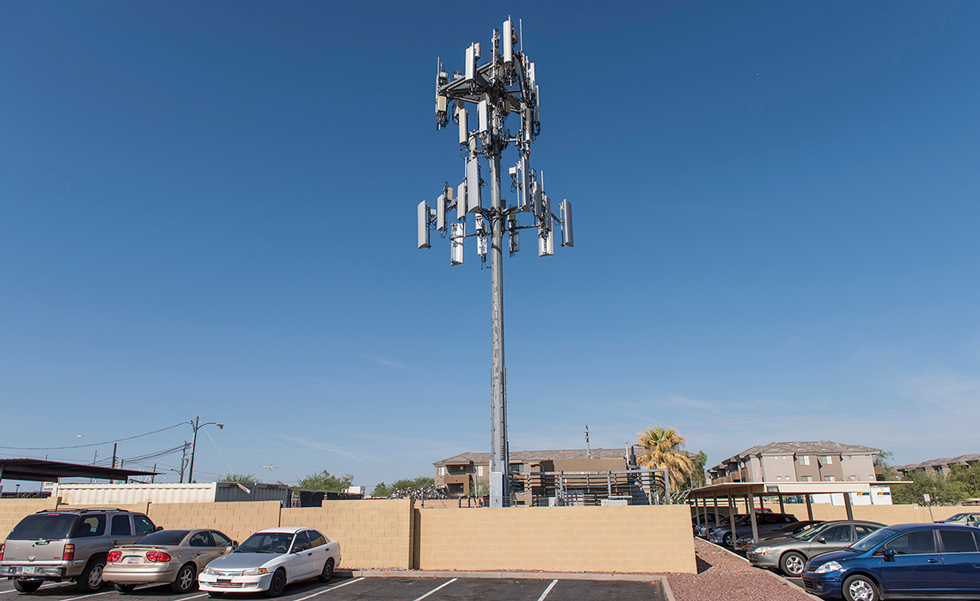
x=389, y=362
x=322, y=446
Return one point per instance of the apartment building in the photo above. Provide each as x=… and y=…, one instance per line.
x=463, y=473
x=940, y=466
x=820, y=461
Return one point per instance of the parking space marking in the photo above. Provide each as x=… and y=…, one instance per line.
x=194, y=597
x=87, y=596
x=547, y=590
x=326, y=590
x=5, y=592
x=436, y=589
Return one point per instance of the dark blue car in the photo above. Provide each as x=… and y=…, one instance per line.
x=909, y=560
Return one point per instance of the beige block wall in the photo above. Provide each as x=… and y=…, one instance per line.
x=237, y=520
x=565, y=539
x=373, y=534
x=12, y=511
x=885, y=514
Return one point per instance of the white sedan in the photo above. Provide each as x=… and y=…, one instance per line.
x=269, y=560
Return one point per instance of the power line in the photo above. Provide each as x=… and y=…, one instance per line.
x=82, y=446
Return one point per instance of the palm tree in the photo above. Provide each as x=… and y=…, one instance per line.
x=665, y=450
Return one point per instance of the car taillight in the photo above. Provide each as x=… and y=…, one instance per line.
x=69, y=553
x=1, y=551
x=114, y=556
x=157, y=556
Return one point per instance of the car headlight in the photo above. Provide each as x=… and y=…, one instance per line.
x=830, y=566
x=209, y=571
x=762, y=550
x=254, y=571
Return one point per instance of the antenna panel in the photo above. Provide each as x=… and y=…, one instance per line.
x=464, y=130
x=525, y=182
x=481, y=245
x=566, y=224
x=546, y=239
x=536, y=201
x=514, y=241
x=508, y=38
x=441, y=213
x=471, y=61
x=473, y=185
x=482, y=112
x=423, y=225
x=461, y=202
x=456, y=238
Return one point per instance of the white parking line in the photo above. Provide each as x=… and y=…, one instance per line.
x=194, y=597
x=326, y=590
x=87, y=596
x=5, y=592
x=430, y=592
x=547, y=590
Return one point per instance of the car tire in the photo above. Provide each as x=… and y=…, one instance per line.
x=727, y=540
x=327, y=572
x=860, y=588
x=26, y=586
x=90, y=580
x=124, y=588
x=792, y=564
x=184, y=581
x=277, y=584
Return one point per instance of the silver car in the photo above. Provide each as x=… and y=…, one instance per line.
x=790, y=554
x=269, y=560
x=967, y=519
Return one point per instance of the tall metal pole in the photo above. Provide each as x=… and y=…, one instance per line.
x=499, y=456
x=190, y=475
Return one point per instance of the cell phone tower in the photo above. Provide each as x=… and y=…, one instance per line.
x=503, y=86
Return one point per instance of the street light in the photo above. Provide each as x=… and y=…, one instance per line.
x=197, y=425
x=91, y=445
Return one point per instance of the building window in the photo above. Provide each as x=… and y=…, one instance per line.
x=479, y=470
x=779, y=478
x=829, y=479
x=805, y=460
x=807, y=478
x=442, y=470
x=829, y=459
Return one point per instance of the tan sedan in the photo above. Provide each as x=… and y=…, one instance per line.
x=173, y=557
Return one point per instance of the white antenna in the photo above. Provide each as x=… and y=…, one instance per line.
x=267, y=468
x=504, y=86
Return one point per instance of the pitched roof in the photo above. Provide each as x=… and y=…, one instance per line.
x=529, y=456
x=934, y=463
x=819, y=447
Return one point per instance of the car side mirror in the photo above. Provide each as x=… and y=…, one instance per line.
x=158, y=529
x=234, y=544
x=888, y=554
x=822, y=540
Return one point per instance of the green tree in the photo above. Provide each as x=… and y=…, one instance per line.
x=404, y=487
x=968, y=477
x=941, y=490
x=883, y=460
x=325, y=481
x=665, y=450
x=697, y=479
x=239, y=478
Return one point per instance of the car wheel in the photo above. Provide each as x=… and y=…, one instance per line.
x=860, y=588
x=185, y=579
x=277, y=584
x=327, y=572
x=727, y=540
x=27, y=586
x=792, y=564
x=90, y=580
x=124, y=588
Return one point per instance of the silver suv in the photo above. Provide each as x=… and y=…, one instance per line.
x=68, y=544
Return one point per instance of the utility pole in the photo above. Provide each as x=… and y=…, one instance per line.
x=502, y=86
x=197, y=425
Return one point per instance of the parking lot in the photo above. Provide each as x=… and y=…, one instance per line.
x=349, y=588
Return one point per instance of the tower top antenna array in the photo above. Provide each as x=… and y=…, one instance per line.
x=504, y=85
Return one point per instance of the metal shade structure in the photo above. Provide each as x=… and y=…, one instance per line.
x=40, y=470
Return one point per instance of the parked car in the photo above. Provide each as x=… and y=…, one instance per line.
x=967, y=519
x=269, y=560
x=921, y=560
x=173, y=557
x=790, y=554
x=68, y=544
x=744, y=543
x=705, y=529
x=764, y=522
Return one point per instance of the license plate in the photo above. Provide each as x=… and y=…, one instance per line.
x=224, y=580
x=27, y=570
x=133, y=559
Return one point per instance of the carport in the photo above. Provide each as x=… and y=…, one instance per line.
x=749, y=492
x=39, y=470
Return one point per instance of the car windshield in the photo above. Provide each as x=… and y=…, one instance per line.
x=957, y=517
x=266, y=542
x=868, y=542
x=808, y=533
x=164, y=537
x=43, y=526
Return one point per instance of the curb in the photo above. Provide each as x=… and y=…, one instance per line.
x=768, y=572
x=604, y=576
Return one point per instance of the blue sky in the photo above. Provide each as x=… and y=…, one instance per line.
x=209, y=209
